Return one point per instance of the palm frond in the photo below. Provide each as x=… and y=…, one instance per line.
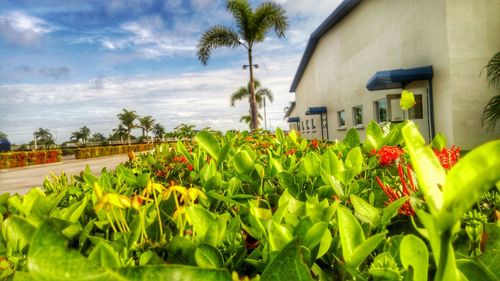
x=240, y=94
x=493, y=71
x=242, y=12
x=216, y=37
x=270, y=15
x=491, y=113
x=265, y=92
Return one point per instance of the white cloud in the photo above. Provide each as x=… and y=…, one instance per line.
x=23, y=29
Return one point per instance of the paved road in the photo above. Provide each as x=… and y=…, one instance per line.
x=22, y=179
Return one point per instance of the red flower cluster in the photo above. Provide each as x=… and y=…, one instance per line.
x=183, y=160
x=314, y=144
x=290, y=152
x=387, y=155
x=395, y=194
x=448, y=157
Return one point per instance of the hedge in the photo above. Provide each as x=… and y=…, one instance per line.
x=27, y=158
x=99, y=151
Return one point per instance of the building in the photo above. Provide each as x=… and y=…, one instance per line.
x=359, y=59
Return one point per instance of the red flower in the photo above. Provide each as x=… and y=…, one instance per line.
x=395, y=194
x=448, y=157
x=190, y=167
x=314, y=143
x=290, y=152
x=387, y=155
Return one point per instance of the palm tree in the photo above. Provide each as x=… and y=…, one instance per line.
x=159, y=131
x=260, y=94
x=252, y=27
x=76, y=136
x=98, y=137
x=146, y=123
x=248, y=119
x=491, y=112
x=119, y=133
x=127, y=119
x=43, y=137
x=184, y=131
x=85, y=132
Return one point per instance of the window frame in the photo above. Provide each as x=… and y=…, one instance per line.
x=355, y=110
x=341, y=121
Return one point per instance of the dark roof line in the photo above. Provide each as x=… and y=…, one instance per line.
x=337, y=15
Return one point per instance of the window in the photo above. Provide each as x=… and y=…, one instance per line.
x=357, y=115
x=307, y=124
x=313, y=125
x=341, y=117
x=302, y=123
x=381, y=111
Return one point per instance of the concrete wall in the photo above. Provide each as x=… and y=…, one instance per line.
x=456, y=37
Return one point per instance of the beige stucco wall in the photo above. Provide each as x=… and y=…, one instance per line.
x=390, y=34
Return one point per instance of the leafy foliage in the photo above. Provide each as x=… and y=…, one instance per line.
x=274, y=207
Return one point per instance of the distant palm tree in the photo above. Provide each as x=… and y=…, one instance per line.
x=159, y=131
x=119, y=133
x=127, y=119
x=251, y=27
x=491, y=112
x=184, y=131
x=43, y=137
x=260, y=94
x=146, y=123
x=3, y=135
x=247, y=119
x=85, y=133
x=98, y=137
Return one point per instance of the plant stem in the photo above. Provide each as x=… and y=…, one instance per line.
x=443, y=268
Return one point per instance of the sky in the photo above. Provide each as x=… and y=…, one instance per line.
x=74, y=63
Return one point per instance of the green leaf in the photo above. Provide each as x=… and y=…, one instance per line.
x=207, y=256
x=242, y=161
x=180, y=148
x=439, y=142
x=209, y=143
x=365, y=211
x=318, y=234
x=287, y=265
x=279, y=236
x=105, y=256
x=430, y=173
x=414, y=254
x=392, y=210
x=311, y=164
x=17, y=232
x=374, y=136
x=365, y=249
x=353, y=164
x=201, y=219
x=225, y=151
x=407, y=100
x=287, y=181
x=384, y=267
x=351, y=234
x=471, y=270
x=468, y=180
x=352, y=138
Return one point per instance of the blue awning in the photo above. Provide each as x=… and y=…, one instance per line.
x=316, y=110
x=398, y=78
x=293, y=119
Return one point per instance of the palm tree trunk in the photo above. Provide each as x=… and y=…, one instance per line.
x=128, y=137
x=253, y=104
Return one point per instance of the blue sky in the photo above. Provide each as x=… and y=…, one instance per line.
x=66, y=64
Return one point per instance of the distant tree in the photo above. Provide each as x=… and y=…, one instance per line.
x=98, y=137
x=127, y=119
x=251, y=27
x=119, y=133
x=83, y=134
x=76, y=136
x=247, y=119
x=159, y=131
x=2, y=135
x=491, y=112
x=184, y=131
x=146, y=123
x=43, y=137
x=244, y=93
